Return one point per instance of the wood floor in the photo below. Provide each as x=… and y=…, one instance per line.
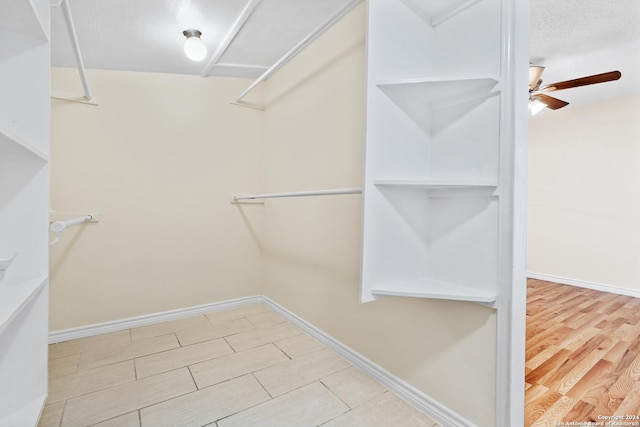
x=243, y=367
x=582, y=357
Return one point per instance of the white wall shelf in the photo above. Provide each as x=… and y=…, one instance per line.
x=434, y=93
x=9, y=143
x=21, y=23
x=15, y=296
x=27, y=415
x=436, y=12
x=435, y=289
x=435, y=185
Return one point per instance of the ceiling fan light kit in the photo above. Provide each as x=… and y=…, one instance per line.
x=538, y=100
x=194, y=47
x=535, y=105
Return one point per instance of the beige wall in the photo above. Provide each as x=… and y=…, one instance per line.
x=584, y=193
x=313, y=139
x=159, y=159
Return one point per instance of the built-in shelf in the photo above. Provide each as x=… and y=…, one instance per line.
x=436, y=289
x=434, y=185
x=12, y=145
x=433, y=150
x=436, y=12
x=436, y=93
x=15, y=295
x=27, y=415
x=21, y=23
x=24, y=194
x=442, y=188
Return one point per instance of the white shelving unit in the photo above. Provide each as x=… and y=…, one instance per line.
x=24, y=201
x=433, y=150
x=445, y=165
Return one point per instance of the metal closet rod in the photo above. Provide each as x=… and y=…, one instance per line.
x=59, y=226
x=76, y=47
x=297, y=48
x=333, y=192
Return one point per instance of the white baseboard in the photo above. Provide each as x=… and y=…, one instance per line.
x=134, y=322
x=412, y=395
x=584, y=284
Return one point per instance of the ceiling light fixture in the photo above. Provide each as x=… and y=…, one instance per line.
x=535, y=106
x=194, y=47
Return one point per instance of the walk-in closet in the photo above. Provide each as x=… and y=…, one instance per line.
x=320, y=223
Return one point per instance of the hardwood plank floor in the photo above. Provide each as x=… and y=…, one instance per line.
x=582, y=357
x=242, y=367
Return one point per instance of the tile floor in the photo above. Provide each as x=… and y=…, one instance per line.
x=242, y=367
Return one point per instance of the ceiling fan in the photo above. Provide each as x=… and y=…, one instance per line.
x=538, y=100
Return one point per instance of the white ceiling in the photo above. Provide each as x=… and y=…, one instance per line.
x=577, y=38
x=146, y=35
x=572, y=38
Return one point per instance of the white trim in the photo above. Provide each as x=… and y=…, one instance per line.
x=512, y=220
x=148, y=319
x=412, y=395
x=584, y=284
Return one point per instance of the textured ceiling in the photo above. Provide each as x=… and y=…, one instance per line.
x=146, y=35
x=572, y=38
x=576, y=27
x=576, y=38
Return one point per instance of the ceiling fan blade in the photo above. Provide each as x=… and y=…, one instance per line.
x=551, y=102
x=584, y=81
x=535, y=72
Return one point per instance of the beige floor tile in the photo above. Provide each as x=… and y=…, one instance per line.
x=93, y=359
x=386, y=410
x=181, y=357
x=284, y=377
x=237, y=313
x=307, y=406
x=165, y=328
x=132, y=419
x=266, y=319
x=416, y=419
x=298, y=345
x=83, y=382
x=119, y=400
x=353, y=386
x=95, y=343
x=51, y=415
x=207, y=405
x=215, y=331
x=63, y=366
x=224, y=368
x=261, y=336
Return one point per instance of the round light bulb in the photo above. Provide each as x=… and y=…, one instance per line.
x=194, y=47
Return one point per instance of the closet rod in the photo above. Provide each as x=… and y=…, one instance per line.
x=233, y=32
x=59, y=226
x=297, y=48
x=76, y=47
x=337, y=191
